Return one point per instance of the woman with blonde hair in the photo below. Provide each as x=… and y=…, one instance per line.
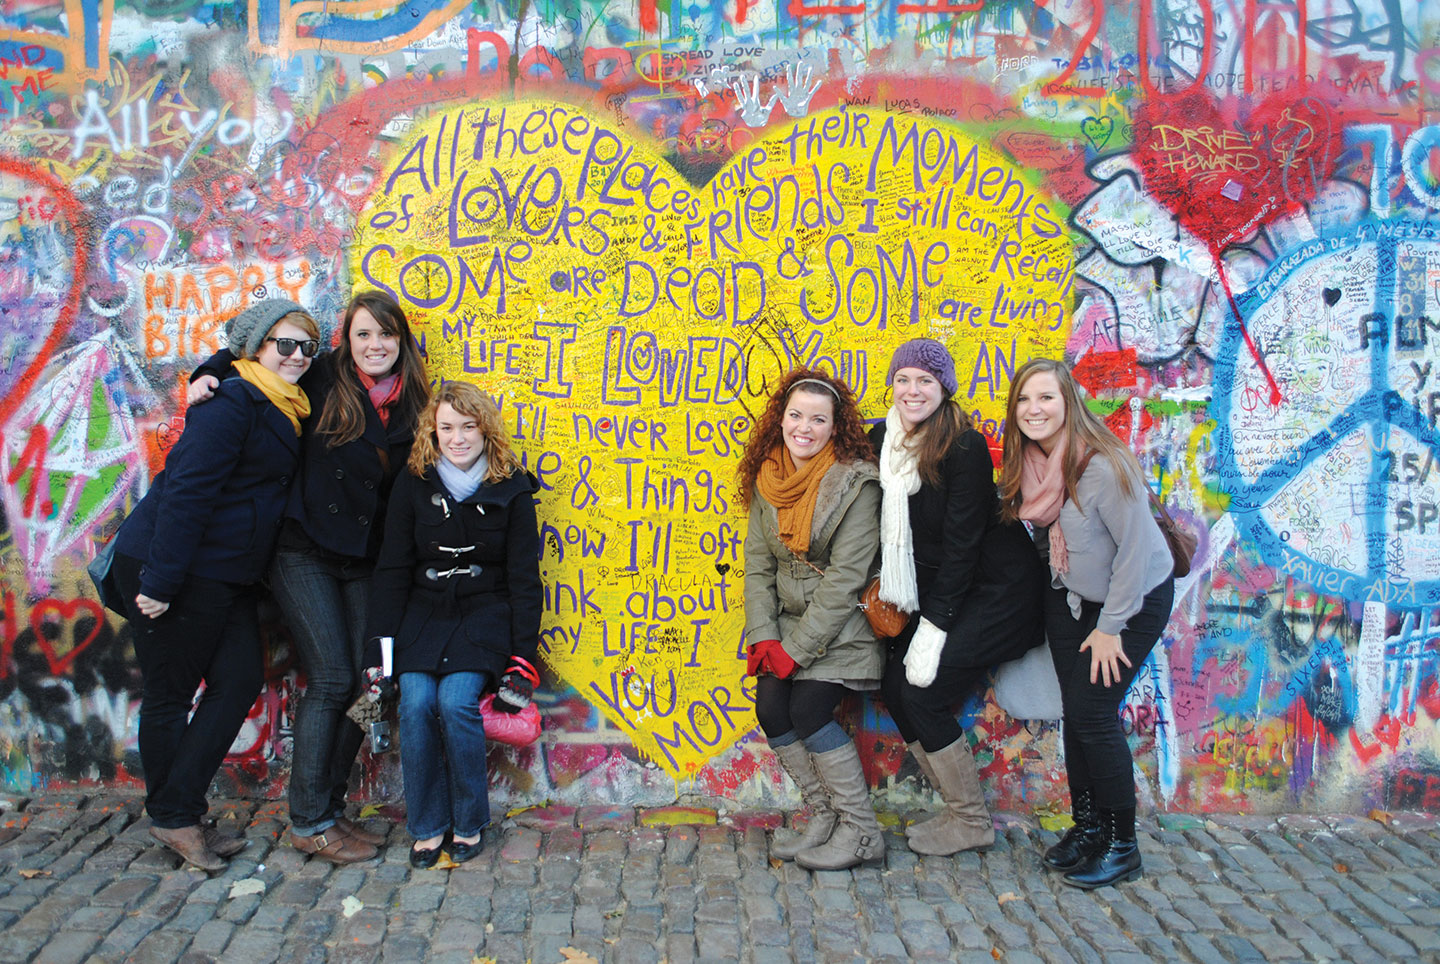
x=457, y=588
x=808, y=478
x=1110, y=594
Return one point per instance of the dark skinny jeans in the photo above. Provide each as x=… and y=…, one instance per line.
x=210, y=634
x=1097, y=755
x=324, y=601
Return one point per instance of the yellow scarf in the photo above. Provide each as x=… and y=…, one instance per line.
x=290, y=399
x=793, y=492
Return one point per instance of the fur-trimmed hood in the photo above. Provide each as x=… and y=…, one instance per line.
x=837, y=490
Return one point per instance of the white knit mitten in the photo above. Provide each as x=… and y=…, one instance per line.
x=923, y=658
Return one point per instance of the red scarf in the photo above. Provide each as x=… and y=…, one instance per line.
x=383, y=393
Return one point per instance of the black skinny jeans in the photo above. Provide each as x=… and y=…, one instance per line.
x=926, y=713
x=1097, y=755
x=210, y=633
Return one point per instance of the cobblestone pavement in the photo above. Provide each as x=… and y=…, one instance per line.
x=81, y=880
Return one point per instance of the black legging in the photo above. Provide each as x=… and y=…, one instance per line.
x=926, y=713
x=804, y=706
x=1097, y=755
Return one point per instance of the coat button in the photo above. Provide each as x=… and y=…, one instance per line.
x=284, y=480
x=364, y=520
x=369, y=483
x=339, y=473
x=333, y=508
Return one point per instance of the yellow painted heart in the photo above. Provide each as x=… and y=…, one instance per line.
x=631, y=323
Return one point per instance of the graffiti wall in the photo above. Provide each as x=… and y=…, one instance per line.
x=627, y=220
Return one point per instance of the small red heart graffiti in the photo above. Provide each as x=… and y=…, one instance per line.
x=59, y=664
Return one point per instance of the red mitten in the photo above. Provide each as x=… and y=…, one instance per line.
x=777, y=660
x=755, y=659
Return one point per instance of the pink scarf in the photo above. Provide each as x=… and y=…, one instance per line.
x=383, y=392
x=1042, y=493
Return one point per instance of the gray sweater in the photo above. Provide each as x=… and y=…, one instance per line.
x=1117, y=552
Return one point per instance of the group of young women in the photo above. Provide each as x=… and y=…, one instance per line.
x=373, y=508
x=378, y=510
x=968, y=564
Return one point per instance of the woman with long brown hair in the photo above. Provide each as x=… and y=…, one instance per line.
x=808, y=479
x=973, y=582
x=367, y=396
x=1110, y=595
x=457, y=588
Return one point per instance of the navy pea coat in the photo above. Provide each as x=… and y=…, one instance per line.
x=340, y=499
x=216, y=507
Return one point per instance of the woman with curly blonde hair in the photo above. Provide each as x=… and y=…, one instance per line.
x=808, y=477
x=458, y=589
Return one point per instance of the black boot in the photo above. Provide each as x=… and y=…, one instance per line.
x=1118, y=857
x=1081, y=840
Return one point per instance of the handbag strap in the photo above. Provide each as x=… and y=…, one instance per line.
x=1159, y=509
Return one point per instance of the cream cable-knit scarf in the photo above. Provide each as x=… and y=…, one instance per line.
x=899, y=479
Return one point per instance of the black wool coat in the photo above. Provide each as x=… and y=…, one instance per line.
x=340, y=498
x=470, y=622
x=216, y=508
x=979, y=579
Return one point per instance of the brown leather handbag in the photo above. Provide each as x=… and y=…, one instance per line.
x=885, y=619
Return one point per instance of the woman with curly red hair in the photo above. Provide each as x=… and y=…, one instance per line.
x=809, y=480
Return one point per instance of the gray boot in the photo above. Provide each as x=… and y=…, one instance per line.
x=858, y=838
x=918, y=752
x=965, y=823
x=798, y=764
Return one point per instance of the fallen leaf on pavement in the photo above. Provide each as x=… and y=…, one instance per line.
x=1008, y=896
x=351, y=905
x=577, y=956
x=250, y=885
x=32, y=873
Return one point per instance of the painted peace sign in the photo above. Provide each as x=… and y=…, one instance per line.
x=1338, y=484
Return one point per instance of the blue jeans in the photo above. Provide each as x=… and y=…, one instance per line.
x=211, y=632
x=325, y=604
x=442, y=754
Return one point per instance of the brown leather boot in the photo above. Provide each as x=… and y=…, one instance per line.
x=189, y=843
x=333, y=845
x=358, y=832
x=965, y=823
x=222, y=844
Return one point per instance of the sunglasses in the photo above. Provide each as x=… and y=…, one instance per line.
x=286, y=346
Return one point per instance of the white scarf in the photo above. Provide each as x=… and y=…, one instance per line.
x=899, y=479
x=462, y=483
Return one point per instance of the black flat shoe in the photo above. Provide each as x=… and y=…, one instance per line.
x=422, y=859
x=461, y=852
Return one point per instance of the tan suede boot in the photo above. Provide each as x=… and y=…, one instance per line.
x=965, y=823
x=858, y=838
x=918, y=752
x=798, y=764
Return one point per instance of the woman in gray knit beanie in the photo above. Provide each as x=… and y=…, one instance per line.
x=187, y=563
